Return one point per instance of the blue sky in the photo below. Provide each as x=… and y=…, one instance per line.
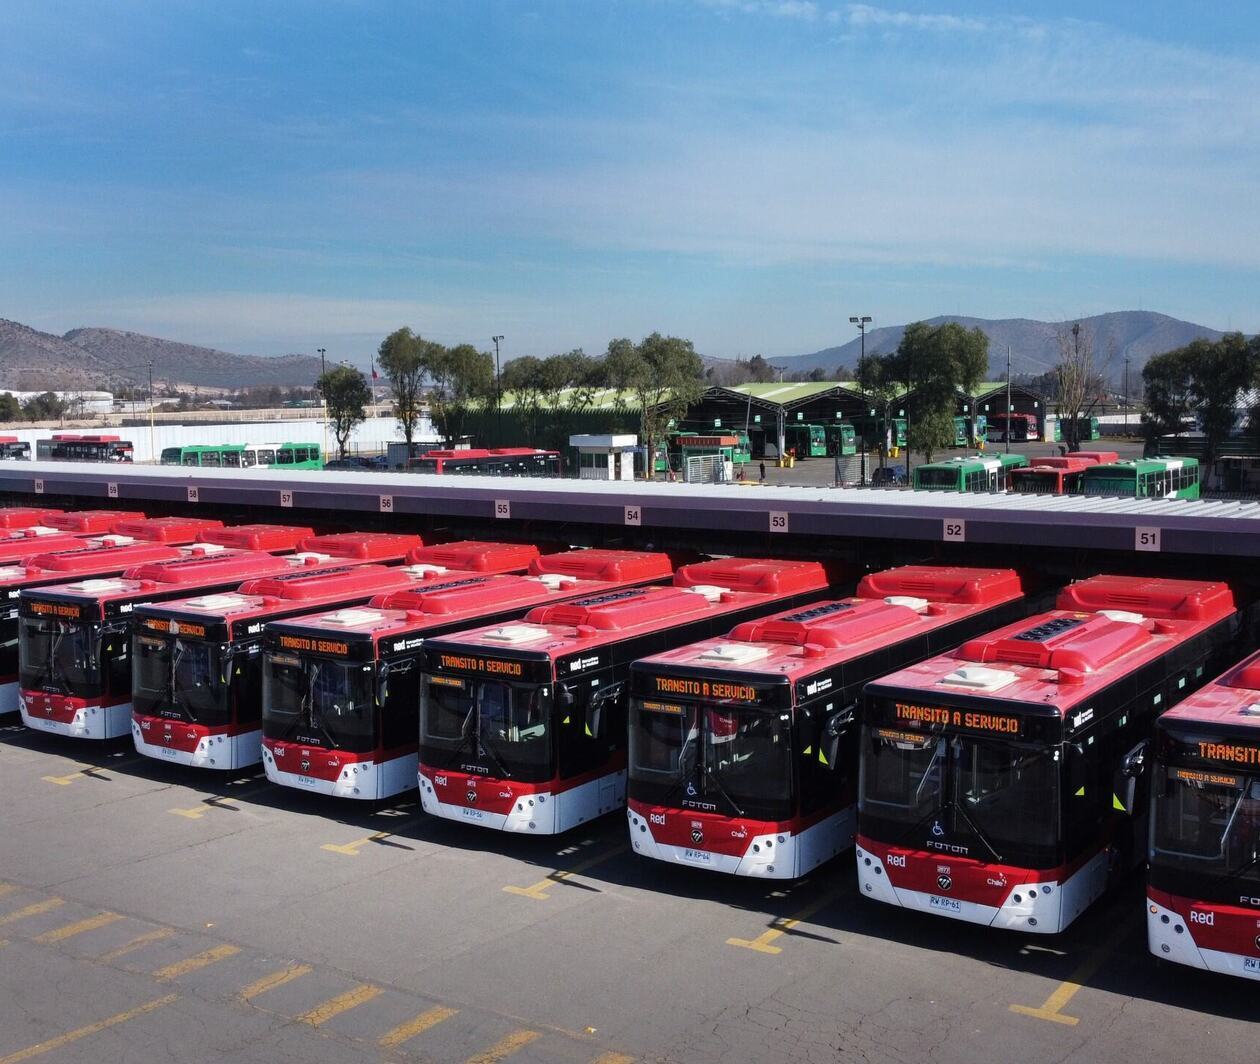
x=273, y=177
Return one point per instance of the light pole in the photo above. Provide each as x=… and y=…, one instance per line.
x=323, y=398
x=862, y=322
x=1126, y=395
x=1072, y=441
x=498, y=394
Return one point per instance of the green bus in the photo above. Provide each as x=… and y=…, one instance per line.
x=871, y=430
x=1143, y=478
x=841, y=438
x=977, y=472
x=244, y=455
x=807, y=440
x=1086, y=429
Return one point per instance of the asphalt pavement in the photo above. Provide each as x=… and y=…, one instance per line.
x=152, y=913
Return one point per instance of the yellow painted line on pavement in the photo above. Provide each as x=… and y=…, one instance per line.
x=613, y=1058
x=504, y=1047
x=60, y=934
x=781, y=925
x=275, y=979
x=351, y=849
x=351, y=999
x=195, y=813
x=1051, y=1008
x=538, y=891
x=136, y=943
x=34, y=909
x=68, y=778
x=404, y=1032
x=6, y=888
x=196, y=963
x=83, y=1032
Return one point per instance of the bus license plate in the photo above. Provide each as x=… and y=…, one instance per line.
x=308, y=781
x=949, y=905
x=1251, y=964
x=168, y=752
x=473, y=814
x=702, y=856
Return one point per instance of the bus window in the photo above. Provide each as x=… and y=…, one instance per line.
x=284, y=456
x=301, y=454
x=232, y=458
x=249, y=457
x=266, y=457
x=191, y=458
x=210, y=458
x=171, y=455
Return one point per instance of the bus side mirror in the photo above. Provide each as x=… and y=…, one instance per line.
x=1134, y=763
x=835, y=728
x=1125, y=783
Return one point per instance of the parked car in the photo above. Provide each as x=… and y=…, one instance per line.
x=889, y=477
x=360, y=462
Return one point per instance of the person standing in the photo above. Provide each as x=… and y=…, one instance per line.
x=763, y=471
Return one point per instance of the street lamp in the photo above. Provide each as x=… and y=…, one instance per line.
x=498, y=394
x=323, y=397
x=862, y=322
x=1126, y=395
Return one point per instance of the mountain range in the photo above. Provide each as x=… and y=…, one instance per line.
x=31, y=360
x=90, y=358
x=1035, y=345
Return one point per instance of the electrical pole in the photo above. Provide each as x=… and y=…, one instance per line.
x=1008, y=398
x=323, y=398
x=498, y=394
x=153, y=455
x=1126, y=395
x=862, y=321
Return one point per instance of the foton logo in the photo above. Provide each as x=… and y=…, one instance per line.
x=1206, y=919
x=1245, y=900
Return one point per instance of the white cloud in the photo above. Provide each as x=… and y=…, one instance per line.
x=864, y=16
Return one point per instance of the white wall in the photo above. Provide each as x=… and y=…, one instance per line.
x=371, y=434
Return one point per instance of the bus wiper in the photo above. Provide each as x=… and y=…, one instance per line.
x=711, y=773
x=485, y=748
x=682, y=766
x=977, y=830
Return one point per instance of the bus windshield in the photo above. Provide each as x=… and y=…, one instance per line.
x=320, y=702
x=713, y=757
x=181, y=679
x=61, y=657
x=1207, y=828
x=938, y=478
x=995, y=801
x=501, y=728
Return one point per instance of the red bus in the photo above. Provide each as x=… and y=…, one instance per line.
x=523, y=726
x=14, y=450
x=1203, y=886
x=95, y=522
x=26, y=516
x=761, y=778
x=1021, y=427
x=1049, y=476
x=74, y=639
x=182, y=647
x=80, y=447
x=496, y=462
x=999, y=782
x=342, y=689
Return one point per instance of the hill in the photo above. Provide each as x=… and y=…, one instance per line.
x=106, y=358
x=1133, y=334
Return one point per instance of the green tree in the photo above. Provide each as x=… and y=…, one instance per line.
x=43, y=407
x=524, y=378
x=403, y=357
x=1222, y=372
x=665, y=376
x=935, y=363
x=346, y=393
x=1168, y=381
x=10, y=408
x=459, y=376
x=874, y=378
